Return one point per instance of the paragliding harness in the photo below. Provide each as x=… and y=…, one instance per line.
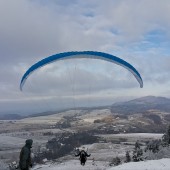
x=83, y=157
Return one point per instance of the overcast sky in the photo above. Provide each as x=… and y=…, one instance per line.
x=136, y=31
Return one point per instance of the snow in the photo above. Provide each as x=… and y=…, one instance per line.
x=136, y=135
x=107, y=151
x=162, y=164
x=74, y=165
x=101, y=152
x=54, y=118
x=10, y=142
x=133, y=136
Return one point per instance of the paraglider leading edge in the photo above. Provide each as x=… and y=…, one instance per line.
x=82, y=54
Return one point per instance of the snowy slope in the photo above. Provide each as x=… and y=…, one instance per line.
x=162, y=164
x=74, y=165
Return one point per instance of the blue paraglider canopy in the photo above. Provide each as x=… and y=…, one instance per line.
x=82, y=54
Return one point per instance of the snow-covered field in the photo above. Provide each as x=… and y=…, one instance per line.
x=101, y=153
x=10, y=146
x=107, y=151
x=133, y=136
x=16, y=132
x=12, y=143
x=74, y=165
x=52, y=119
x=162, y=164
x=8, y=142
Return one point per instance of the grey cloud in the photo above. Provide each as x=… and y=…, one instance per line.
x=63, y=80
x=32, y=30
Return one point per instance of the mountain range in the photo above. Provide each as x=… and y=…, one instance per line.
x=142, y=105
x=139, y=105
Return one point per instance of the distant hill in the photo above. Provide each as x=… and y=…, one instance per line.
x=141, y=105
x=87, y=109
x=147, y=114
x=10, y=117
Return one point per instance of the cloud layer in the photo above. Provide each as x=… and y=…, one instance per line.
x=136, y=31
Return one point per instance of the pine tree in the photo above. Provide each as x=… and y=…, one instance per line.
x=134, y=157
x=140, y=155
x=116, y=161
x=137, y=153
x=166, y=137
x=137, y=145
x=128, y=158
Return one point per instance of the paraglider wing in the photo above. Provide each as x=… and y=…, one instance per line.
x=81, y=54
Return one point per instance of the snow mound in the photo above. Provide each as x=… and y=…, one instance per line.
x=162, y=164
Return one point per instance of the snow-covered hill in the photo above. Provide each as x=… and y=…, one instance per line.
x=74, y=165
x=142, y=104
x=162, y=164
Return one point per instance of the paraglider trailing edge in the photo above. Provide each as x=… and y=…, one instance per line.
x=82, y=54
